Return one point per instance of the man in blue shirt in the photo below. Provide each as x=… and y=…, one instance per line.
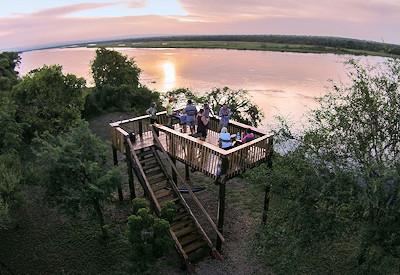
x=191, y=112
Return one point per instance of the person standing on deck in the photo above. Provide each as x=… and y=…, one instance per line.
x=202, y=125
x=152, y=112
x=225, y=115
x=170, y=111
x=191, y=113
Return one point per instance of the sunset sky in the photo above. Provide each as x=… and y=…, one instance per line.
x=28, y=23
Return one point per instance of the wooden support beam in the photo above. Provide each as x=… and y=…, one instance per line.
x=268, y=186
x=141, y=129
x=221, y=213
x=173, y=172
x=115, y=158
x=187, y=172
x=129, y=164
x=221, y=200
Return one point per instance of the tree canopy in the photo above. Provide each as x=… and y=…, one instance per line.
x=111, y=68
x=117, y=85
x=341, y=185
x=243, y=108
x=8, y=75
x=73, y=168
x=48, y=100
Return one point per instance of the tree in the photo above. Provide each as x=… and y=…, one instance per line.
x=342, y=182
x=8, y=75
x=111, y=68
x=122, y=98
x=48, y=100
x=244, y=110
x=117, y=85
x=10, y=134
x=10, y=177
x=74, y=170
x=147, y=234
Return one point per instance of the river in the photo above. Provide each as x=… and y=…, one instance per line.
x=284, y=84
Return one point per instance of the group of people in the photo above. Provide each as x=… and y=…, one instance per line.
x=190, y=117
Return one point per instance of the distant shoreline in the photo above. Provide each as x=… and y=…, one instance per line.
x=277, y=43
x=238, y=45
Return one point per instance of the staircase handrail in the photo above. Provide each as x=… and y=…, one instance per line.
x=192, y=195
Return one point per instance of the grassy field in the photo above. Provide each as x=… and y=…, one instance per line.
x=241, y=45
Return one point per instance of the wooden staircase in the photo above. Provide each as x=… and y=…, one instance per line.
x=191, y=241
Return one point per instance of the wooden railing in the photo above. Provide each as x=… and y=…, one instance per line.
x=212, y=160
x=189, y=188
x=205, y=157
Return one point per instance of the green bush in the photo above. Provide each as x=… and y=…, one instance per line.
x=335, y=206
x=148, y=234
x=73, y=169
x=117, y=85
x=119, y=98
x=48, y=100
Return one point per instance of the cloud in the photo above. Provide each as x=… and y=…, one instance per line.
x=374, y=20
x=137, y=3
x=65, y=10
x=354, y=10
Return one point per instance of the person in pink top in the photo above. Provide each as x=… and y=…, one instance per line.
x=248, y=136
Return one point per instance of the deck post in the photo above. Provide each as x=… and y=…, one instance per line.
x=174, y=175
x=187, y=173
x=221, y=200
x=129, y=164
x=141, y=129
x=221, y=213
x=267, y=194
x=115, y=158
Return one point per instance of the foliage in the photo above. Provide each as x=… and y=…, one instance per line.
x=148, y=235
x=10, y=134
x=111, y=68
x=243, y=109
x=74, y=170
x=10, y=177
x=48, y=100
x=168, y=211
x=117, y=85
x=121, y=98
x=8, y=75
x=341, y=185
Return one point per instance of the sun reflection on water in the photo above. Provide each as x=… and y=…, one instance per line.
x=169, y=78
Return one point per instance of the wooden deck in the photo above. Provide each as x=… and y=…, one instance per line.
x=204, y=156
x=147, y=140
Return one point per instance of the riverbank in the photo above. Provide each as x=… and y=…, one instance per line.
x=279, y=43
x=241, y=45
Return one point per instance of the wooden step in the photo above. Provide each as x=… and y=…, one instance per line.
x=181, y=216
x=159, y=186
x=188, y=239
x=181, y=224
x=194, y=246
x=184, y=231
x=142, y=153
x=153, y=173
x=155, y=180
x=150, y=167
x=148, y=161
x=171, y=197
x=162, y=193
